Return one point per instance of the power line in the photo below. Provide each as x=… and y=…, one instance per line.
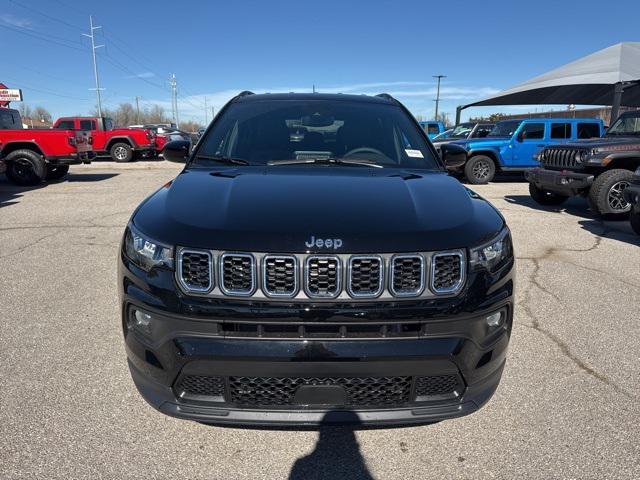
x=48, y=92
x=49, y=40
x=45, y=15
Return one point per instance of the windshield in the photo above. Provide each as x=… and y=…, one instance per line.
x=463, y=130
x=505, y=128
x=626, y=125
x=262, y=132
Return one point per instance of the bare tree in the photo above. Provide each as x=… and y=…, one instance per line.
x=42, y=114
x=25, y=110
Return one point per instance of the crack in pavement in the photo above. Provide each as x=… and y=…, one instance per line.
x=535, y=321
x=27, y=246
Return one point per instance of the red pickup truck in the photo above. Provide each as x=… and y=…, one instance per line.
x=30, y=156
x=122, y=144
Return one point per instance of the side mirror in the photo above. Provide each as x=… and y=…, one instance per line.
x=176, y=151
x=453, y=156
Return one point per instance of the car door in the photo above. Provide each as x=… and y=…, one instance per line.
x=529, y=140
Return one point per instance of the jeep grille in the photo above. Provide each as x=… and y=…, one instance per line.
x=446, y=272
x=280, y=275
x=407, y=275
x=316, y=277
x=561, y=157
x=237, y=273
x=322, y=276
x=365, y=276
x=196, y=270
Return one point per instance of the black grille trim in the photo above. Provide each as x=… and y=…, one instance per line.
x=230, y=290
x=203, y=387
x=271, y=275
x=316, y=291
x=447, y=278
x=357, y=271
x=398, y=277
x=185, y=263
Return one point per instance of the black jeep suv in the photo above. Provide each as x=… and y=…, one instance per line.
x=313, y=263
x=599, y=169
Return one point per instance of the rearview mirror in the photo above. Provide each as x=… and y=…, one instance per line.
x=176, y=151
x=453, y=156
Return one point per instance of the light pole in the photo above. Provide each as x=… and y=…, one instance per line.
x=437, y=100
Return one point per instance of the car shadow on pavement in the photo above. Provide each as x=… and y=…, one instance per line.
x=615, y=229
x=10, y=193
x=336, y=454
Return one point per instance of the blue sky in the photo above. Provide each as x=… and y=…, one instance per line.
x=218, y=48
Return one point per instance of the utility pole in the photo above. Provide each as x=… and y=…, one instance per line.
x=174, y=99
x=137, y=109
x=437, y=100
x=95, y=65
x=206, y=111
x=213, y=113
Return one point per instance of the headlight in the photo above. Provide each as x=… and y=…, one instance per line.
x=493, y=254
x=146, y=253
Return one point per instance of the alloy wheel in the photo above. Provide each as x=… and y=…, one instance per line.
x=616, y=199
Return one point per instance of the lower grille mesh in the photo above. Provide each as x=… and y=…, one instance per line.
x=254, y=392
x=361, y=391
x=201, y=386
x=436, y=385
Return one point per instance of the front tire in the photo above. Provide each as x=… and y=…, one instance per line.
x=121, y=152
x=545, y=197
x=57, y=172
x=605, y=195
x=25, y=167
x=479, y=169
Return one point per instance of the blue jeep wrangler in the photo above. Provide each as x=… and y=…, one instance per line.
x=513, y=145
x=432, y=127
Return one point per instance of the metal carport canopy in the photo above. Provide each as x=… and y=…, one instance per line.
x=607, y=77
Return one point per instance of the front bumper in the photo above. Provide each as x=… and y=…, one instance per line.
x=185, y=338
x=563, y=182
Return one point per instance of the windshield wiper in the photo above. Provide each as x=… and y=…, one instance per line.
x=224, y=159
x=325, y=161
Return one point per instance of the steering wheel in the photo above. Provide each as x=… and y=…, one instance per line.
x=364, y=150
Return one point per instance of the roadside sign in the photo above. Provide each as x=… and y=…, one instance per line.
x=10, y=95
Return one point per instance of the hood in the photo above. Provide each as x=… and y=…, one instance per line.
x=605, y=142
x=279, y=209
x=486, y=142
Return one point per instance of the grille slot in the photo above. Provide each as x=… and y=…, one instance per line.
x=560, y=157
x=280, y=276
x=447, y=272
x=437, y=385
x=200, y=386
x=280, y=391
x=195, y=270
x=407, y=275
x=237, y=273
x=323, y=276
x=365, y=276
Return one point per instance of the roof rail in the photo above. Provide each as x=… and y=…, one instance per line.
x=387, y=96
x=245, y=93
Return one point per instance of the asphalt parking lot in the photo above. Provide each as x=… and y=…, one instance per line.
x=567, y=407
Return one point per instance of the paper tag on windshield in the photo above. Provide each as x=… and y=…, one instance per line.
x=414, y=153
